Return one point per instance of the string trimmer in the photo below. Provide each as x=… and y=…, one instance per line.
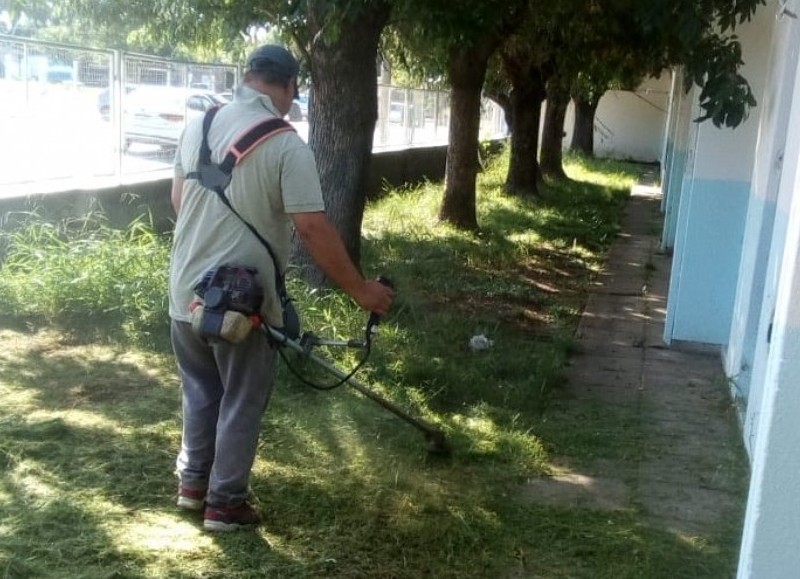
x=304, y=345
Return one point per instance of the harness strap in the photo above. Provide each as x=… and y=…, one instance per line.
x=252, y=138
x=217, y=177
x=248, y=140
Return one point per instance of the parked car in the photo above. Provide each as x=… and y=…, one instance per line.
x=299, y=109
x=60, y=74
x=157, y=114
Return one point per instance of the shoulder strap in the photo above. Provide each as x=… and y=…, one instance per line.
x=243, y=145
x=205, y=151
x=251, y=138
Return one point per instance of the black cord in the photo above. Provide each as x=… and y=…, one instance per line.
x=324, y=387
x=372, y=323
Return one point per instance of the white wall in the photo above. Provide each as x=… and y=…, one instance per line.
x=770, y=540
x=629, y=124
x=713, y=204
x=747, y=331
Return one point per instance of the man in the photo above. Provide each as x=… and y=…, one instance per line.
x=226, y=387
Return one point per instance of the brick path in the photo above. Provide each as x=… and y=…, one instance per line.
x=690, y=474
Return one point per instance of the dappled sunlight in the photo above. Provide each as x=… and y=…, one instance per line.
x=154, y=531
x=81, y=419
x=36, y=482
x=480, y=425
x=478, y=517
x=16, y=398
x=16, y=342
x=347, y=489
x=487, y=438
x=576, y=489
x=157, y=368
x=606, y=172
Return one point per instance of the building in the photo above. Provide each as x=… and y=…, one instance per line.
x=732, y=223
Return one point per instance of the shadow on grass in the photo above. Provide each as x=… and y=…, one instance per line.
x=380, y=516
x=91, y=426
x=98, y=461
x=526, y=299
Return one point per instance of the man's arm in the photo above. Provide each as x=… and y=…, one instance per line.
x=177, y=193
x=327, y=249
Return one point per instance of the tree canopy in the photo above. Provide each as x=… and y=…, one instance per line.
x=584, y=45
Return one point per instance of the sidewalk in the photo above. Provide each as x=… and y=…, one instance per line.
x=689, y=476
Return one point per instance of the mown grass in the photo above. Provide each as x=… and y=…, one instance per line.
x=90, y=422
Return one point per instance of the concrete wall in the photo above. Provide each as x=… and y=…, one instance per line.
x=629, y=125
x=122, y=204
x=747, y=347
x=739, y=192
x=713, y=207
x=770, y=539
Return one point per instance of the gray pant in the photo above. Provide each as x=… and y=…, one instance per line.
x=226, y=388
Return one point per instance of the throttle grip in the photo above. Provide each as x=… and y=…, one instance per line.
x=375, y=319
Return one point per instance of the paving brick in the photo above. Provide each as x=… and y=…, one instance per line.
x=689, y=475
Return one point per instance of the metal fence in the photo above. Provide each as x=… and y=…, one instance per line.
x=74, y=117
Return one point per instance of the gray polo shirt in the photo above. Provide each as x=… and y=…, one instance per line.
x=277, y=178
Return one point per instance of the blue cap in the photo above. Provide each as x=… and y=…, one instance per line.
x=275, y=59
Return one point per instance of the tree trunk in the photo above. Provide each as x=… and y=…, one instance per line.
x=467, y=69
x=344, y=77
x=551, y=157
x=523, y=175
x=583, y=131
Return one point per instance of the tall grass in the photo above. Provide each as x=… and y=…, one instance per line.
x=90, y=423
x=85, y=273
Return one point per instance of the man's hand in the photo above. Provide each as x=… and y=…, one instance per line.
x=327, y=249
x=375, y=297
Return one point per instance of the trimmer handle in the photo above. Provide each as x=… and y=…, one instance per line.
x=375, y=319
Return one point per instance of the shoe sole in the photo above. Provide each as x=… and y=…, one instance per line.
x=219, y=526
x=190, y=504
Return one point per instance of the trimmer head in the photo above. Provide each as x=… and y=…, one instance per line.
x=437, y=444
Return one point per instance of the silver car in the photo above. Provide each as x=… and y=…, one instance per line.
x=157, y=114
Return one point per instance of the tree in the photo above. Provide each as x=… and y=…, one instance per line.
x=529, y=60
x=592, y=53
x=699, y=34
x=464, y=37
x=623, y=64
x=528, y=79
x=550, y=157
x=339, y=40
x=606, y=38
x=583, y=128
x=342, y=61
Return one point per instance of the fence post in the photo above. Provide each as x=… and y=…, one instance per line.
x=26, y=74
x=116, y=94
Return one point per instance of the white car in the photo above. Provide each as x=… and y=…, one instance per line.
x=157, y=114
x=299, y=109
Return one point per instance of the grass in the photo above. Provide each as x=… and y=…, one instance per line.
x=91, y=417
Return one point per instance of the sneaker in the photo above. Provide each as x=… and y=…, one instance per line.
x=191, y=499
x=230, y=518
